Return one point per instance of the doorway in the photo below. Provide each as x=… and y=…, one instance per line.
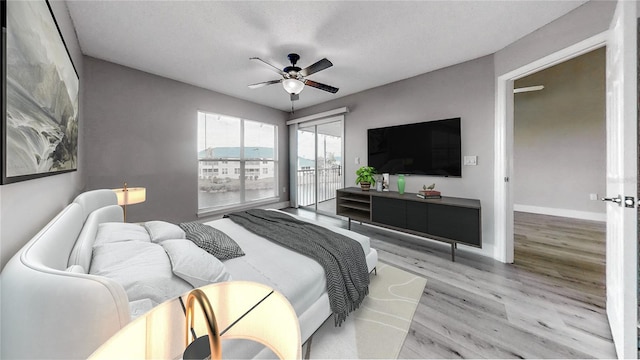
x=559, y=167
x=319, y=164
x=622, y=167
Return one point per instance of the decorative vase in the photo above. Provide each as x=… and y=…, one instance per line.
x=401, y=184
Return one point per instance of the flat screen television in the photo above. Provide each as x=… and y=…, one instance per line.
x=426, y=148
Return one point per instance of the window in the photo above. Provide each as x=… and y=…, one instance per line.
x=237, y=149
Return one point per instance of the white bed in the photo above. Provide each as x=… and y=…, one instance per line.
x=53, y=307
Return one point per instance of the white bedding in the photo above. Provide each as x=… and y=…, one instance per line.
x=142, y=268
x=283, y=269
x=151, y=272
x=271, y=264
x=160, y=271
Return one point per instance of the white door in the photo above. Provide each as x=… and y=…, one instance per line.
x=622, y=234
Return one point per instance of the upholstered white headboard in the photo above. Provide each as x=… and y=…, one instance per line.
x=49, y=312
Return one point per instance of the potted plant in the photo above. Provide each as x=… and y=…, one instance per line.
x=365, y=177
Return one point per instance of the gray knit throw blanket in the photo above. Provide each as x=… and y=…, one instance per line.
x=342, y=258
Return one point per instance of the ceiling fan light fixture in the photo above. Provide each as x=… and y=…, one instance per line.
x=293, y=86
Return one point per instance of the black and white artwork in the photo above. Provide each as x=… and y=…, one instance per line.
x=40, y=129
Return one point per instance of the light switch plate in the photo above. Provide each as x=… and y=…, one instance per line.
x=470, y=160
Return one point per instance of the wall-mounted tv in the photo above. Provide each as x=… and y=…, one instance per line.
x=426, y=148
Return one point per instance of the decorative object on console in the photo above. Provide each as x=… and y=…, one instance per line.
x=365, y=177
x=401, y=184
x=40, y=134
x=385, y=182
x=427, y=192
x=378, y=179
x=129, y=196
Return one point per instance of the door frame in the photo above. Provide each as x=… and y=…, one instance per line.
x=503, y=155
x=307, y=121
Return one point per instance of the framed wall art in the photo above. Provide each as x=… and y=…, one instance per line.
x=40, y=94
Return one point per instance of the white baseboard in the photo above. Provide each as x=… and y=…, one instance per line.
x=574, y=214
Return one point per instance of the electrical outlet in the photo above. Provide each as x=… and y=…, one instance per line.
x=357, y=160
x=284, y=189
x=593, y=196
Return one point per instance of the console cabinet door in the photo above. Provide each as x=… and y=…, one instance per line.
x=389, y=211
x=456, y=223
x=417, y=216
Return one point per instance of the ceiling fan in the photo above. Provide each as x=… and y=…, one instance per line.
x=294, y=78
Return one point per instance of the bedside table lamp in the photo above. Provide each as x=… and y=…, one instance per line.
x=129, y=196
x=242, y=309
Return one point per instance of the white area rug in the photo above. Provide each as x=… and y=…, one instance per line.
x=378, y=328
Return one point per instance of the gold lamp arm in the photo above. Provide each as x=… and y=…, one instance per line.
x=212, y=327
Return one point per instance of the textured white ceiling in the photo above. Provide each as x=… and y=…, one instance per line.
x=209, y=43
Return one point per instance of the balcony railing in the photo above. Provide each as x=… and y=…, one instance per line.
x=329, y=180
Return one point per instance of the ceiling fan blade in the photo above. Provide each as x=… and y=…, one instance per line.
x=320, y=86
x=528, y=88
x=278, y=70
x=314, y=68
x=265, y=83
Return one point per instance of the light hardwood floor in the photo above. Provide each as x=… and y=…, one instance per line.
x=480, y=308
x=570, y=251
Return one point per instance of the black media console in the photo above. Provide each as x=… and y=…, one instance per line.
x=448, y=219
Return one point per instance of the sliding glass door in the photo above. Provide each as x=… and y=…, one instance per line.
x=319, y=164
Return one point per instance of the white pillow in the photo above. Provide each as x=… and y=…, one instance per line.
x=116, y=231
x=162, y=230
x=142, y=268
x=194, y=265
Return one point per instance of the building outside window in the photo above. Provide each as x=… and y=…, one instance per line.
x=236, y=161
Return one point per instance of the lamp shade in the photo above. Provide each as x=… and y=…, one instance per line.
x=245, y=310
x=293, y=86
x=131, y=195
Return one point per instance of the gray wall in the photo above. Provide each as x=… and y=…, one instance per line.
x=142, y=129
x=560, y=136
x=25, y=207
x=465, y=90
